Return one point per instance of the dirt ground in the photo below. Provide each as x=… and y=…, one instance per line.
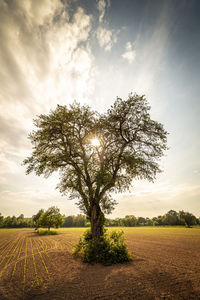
x=165, y=265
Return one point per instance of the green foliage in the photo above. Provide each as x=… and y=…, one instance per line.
x=15, y=222
x=108, y=249
x=51, y=218
x=171, y=218
x=187, y=218
x=47, y=232
x=130, y=146
x=75, y=221
x=37, y=217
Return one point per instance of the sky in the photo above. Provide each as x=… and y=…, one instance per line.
x=54, y=52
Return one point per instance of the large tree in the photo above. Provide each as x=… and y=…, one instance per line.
x=97, y=154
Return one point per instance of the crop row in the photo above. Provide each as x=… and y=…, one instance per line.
x=27, y=259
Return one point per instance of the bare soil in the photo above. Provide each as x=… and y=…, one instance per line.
x=165, y=265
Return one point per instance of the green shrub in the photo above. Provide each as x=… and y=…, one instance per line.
x=47, y=232
x=109, y=249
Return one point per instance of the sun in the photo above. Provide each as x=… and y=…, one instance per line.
x=95, y=142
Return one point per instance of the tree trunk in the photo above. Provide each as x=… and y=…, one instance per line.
x=97, y=221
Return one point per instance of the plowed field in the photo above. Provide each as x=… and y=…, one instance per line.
x=165, y=265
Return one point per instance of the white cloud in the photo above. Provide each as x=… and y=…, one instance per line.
x=151, y=199
x=106, y=38
x=101, y=6
x=40, y=12
x=34, y=53
x=8, y=166
x=45, y=59
x=129, y=54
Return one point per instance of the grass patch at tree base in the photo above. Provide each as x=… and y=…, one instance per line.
x=108, y=249
x=47, y=232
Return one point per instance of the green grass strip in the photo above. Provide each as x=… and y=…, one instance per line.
x=33, y=256
x=47, y=232
x=41, y=258
x=18, y=256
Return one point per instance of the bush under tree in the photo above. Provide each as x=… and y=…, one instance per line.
x=108, y=249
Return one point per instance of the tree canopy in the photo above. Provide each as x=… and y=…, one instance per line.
x=187, y=218
x=37, y=217
x=128, y=145
x=51, y=218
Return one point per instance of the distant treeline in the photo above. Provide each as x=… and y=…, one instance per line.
x=171, y=218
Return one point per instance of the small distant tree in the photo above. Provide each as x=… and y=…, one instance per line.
x=36, y=218
x=51, y=218
x=187, y=218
